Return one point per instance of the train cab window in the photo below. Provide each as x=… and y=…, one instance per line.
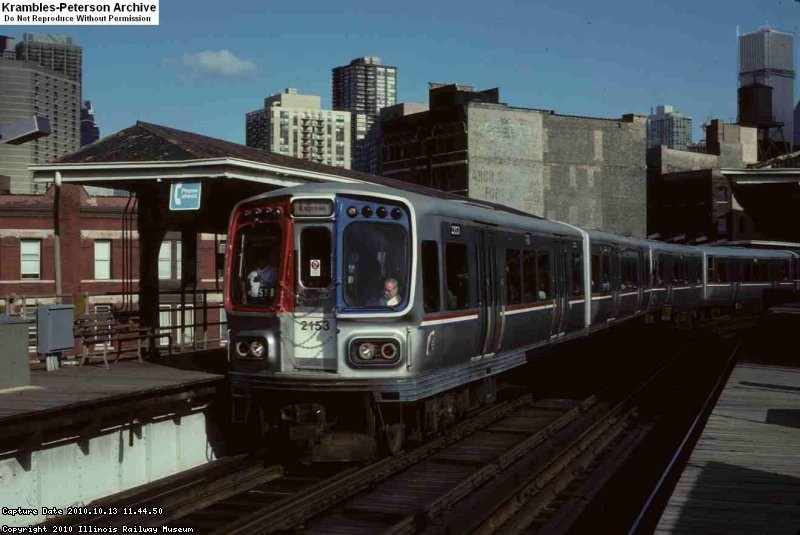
x=257, y=257
x=374, y=255
x=513, y=276
x=315, y=257
x=430, y=276
x=457, y=267
x=577, y=273
x=543, y=275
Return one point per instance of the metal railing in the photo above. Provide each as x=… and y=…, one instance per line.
x=198, y=334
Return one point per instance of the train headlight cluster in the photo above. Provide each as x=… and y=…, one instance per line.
x=374, y=352
x=250, y=349
x=381, y=211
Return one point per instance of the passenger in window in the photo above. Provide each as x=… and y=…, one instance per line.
x=541, y=294
x=262, y=280
x=606, y=286
x=391, y=294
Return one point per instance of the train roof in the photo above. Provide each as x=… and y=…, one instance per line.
x=741, y=252
x=450, y=205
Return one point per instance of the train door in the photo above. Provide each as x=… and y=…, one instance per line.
x=489, y=301
x=561, y=264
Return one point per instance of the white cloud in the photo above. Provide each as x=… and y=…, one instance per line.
x=218, y=63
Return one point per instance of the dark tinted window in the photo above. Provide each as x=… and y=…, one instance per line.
x=315, y=257
x=577, y=272
x=529, y=276
x=430, y=276
x=457, y=276
x=513, y=276
x=543, y=275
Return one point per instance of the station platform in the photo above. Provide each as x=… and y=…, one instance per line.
x=743, y=476
x=79, y=433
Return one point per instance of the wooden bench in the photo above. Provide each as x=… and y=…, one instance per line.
x=103, y=328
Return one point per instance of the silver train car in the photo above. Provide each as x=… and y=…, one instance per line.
x=360, y=314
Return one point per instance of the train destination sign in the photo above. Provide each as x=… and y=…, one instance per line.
x=184, y=196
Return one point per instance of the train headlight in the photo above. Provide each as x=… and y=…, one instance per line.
x=366, y=351
x=257, y=349
x=242, y=349
x=389, y=351
x=374, y=352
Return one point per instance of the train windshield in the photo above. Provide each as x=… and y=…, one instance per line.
x=376, y=262
x=257, y=256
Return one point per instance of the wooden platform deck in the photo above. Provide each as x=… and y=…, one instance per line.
x=743, y=476
x=69, y=390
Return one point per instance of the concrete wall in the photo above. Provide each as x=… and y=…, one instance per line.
x=506, y=164
x=583, y=171
x=74, y=473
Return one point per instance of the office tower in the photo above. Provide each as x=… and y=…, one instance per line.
x=296, y=125
x=363, y=88
x=28, y=90
x=766, y=57
x=89, y=129
x=668, y=127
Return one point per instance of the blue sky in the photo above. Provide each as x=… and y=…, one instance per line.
x=208, y=63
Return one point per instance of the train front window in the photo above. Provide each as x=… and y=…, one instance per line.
x=257, y=265
x=375, y=260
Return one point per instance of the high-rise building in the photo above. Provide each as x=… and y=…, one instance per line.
x=363, y=88
x=766, y=57
x=296, y=125
x=7, y=50
x=668, y=127
x=90, y=132
x=29, y=89
x=54, y=52
x=797, y=126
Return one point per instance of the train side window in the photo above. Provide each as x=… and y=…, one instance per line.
x=596, y=273
x=529, y=276
x=543, y=275
x=659, y=278
x=722, y=274
x=784, y=270
x=577, y=273
x=457, y=266
x=513, y=276
x=748, y=272
x=430, y=276
x=711, y=272
x=315, y=250
x=605, y=273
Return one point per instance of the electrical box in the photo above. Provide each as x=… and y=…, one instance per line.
x=54, y=323
x=14, y=355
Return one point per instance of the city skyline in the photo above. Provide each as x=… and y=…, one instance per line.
x=582, y=59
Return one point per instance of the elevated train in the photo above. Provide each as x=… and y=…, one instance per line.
x=316, y=348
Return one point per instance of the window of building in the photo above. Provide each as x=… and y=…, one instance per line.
x=102, y=259
x=165, y=260
x=430, y=276
x=457, y=266
x=165, y=323
x=30, y=259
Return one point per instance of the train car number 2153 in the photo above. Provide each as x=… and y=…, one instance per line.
x=319, y=325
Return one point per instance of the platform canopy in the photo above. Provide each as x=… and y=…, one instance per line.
x=771, y=197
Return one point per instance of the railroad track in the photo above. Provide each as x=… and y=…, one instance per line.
x=521, y=465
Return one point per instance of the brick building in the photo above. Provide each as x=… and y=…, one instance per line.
x=99, y=259
x=584, y=171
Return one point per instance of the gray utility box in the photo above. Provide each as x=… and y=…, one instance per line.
x=54, y=328
x=14, y=366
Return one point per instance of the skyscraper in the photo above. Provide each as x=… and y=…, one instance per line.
x=766, y=57
x=89, y=129
x=296, y=125
x=54, y=52
x=27, y=90
x=363, y=88
x=669, y=127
